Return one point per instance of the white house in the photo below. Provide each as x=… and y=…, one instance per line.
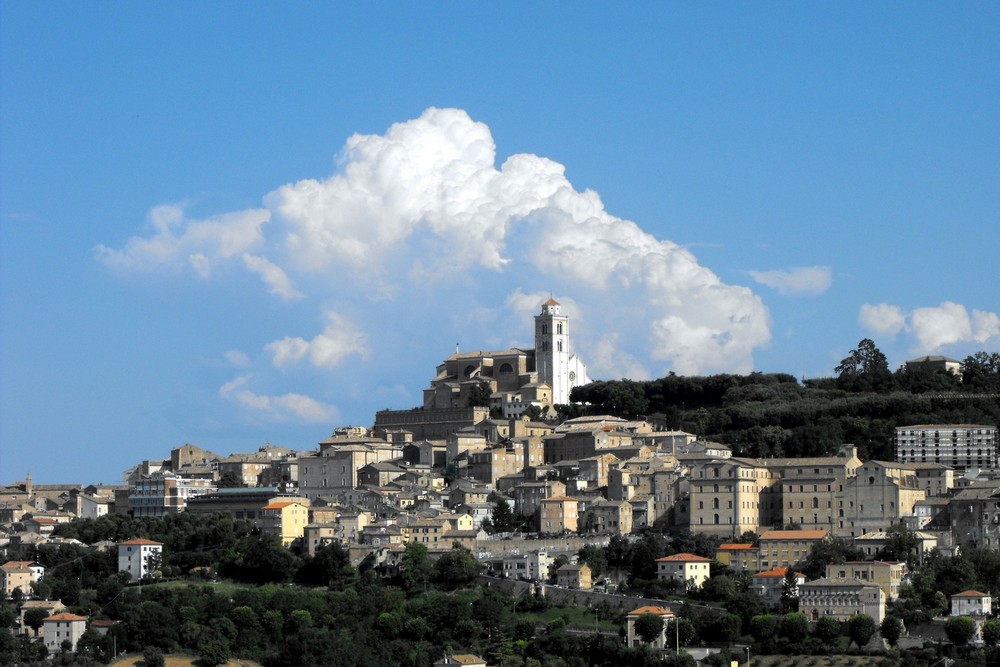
x=136, y=556
x=63, y=627
x=971, y=603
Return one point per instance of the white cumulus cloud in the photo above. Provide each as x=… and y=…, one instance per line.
x=273, y=276
x=340, y=339
x=883, y=319
x=427, y=196
x=933, y=327
x=281, y=408
x=178, y=240
x=798, y=281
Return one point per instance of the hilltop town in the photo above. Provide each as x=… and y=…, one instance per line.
x=682, y=547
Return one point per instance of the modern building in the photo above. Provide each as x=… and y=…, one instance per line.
x=163, y=493
x=959, y=446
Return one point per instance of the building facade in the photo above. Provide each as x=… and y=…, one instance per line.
x=959, y=446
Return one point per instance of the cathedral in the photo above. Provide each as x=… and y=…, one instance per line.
x=517, y=379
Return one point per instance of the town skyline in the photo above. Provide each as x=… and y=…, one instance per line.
x=248, y=245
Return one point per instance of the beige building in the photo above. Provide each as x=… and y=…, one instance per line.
x=731, y=496
x=574, y=575
x=840, y=599
x=738, y=557
x=338, y=461
x=612, y=517
x=21, y=574
x=878, y=496
x=886, y=575
x=558, y=514
x=689, y=569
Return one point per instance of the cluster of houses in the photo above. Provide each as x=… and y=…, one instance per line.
x=436, y=475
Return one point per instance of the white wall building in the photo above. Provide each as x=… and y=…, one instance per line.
x=136, y=556
x=961, y=446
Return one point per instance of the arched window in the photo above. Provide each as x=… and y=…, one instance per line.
x=815, y=502
x=559, y=346
x=716, y=518
x=506, y=369
x=715, y=503
x=559, y=328
x=545, y=329
x=469, y=370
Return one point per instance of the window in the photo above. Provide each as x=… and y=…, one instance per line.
x=559, y=327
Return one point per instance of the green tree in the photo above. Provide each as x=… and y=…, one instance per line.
x=479, y=394
x=153, y=657
x=790, y=591
x=35, y=617
x=960, y=630
x=214, y=651
x=502, y=517
x=416, y=566
x=891, y=629
x=828, y=629
x=456, y=568
x=991, y=632
x=649, y=627
x=864, y=369
x=763, y=627
x=860, y=629
x=794, y=626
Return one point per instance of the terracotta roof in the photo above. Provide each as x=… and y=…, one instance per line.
x=280, y=505
x=971, y=594
x=729, y=546
x=103, y=623
x=142, y=542
x=659, y=611
x=794, y=534
x=66, y=617
x=777, y=572
x=684, y=558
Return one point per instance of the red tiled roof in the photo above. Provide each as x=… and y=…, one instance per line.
x=142, y=541
x=777, y=572
x=659, y=611
x=66, y=617
x=729, y=546
x=684, y=558
x=971, y=594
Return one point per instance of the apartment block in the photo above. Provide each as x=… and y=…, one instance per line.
x=959, y=446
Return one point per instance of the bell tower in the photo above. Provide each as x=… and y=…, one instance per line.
x=552, y=350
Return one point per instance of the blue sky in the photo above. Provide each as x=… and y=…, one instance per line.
x=236, y=224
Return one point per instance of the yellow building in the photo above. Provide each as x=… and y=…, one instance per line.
x=286, y=519
x=785, y=548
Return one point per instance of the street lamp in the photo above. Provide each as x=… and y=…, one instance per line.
x=748, y=655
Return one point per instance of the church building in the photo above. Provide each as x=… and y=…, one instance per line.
x=515, y=379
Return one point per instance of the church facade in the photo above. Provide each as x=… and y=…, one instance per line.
x=515, y=378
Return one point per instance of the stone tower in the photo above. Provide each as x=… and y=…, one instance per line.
x=552, y=354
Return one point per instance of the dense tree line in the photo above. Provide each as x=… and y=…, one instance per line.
x=773, y=415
